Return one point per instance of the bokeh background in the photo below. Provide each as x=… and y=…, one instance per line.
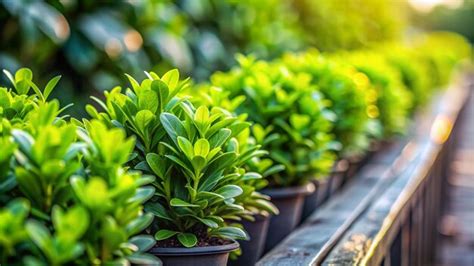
x=93, y=43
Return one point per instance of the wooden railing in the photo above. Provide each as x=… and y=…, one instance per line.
x=388, y=214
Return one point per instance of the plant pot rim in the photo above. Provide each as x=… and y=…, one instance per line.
x=288, y=192
x=208, y=250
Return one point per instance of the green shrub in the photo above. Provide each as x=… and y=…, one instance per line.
x=350, y=95
x=291, y=119
x=413, y=70
x=442, y=61
x=192, y=152
x=86, y=208
x=114, y=198
x=394, y=101
x=253, y=201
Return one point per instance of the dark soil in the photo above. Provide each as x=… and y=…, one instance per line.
x=203, y=241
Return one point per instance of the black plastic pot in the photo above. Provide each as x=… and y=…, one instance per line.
x=209, y=256
x=316, y=198
x=337, y=177
x=252, y=250
x=290, y=203
x=323, y=191
x=310, y=202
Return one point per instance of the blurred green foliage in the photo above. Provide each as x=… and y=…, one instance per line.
x=349, y=24
x=460, y=19
x=91, y=43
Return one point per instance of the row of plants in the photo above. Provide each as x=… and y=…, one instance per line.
x=167, y=168
x=91, y=43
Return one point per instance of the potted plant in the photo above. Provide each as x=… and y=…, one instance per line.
x=195, y=156
x=258, y=208
x=392, y=97
x=59, y=173
x=293, y=124
x=413, y=71
x=354, y=105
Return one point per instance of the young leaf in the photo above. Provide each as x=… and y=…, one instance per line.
x=50, y=86
x=201, y=148
x=171, y=78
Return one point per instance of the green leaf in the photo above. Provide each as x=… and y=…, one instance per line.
x=134, y=83
x=162, y=91
x=175, y=202
x=237, y=128
x=40, y=235
x=220, y=138
x=148, y=100
x=50, y=86
x=267, y=206
x=22, y=79
x=179, y=162
x=164, y=234
x=158, y=210
x=251, y=176
x=186, y=146
x=187, y=239
x=24, y=140
x=37, y=90
x=143, y=242
x=171, y=78
x=74, y=222
x=229, y=191
x=201, y=148
x=9, y=76
x=157, y=164
x=29, y=184
x=230, y=232
x=19, y=207
x=198, y=162
x=144, y=259
x=208, y=222
x=143, y=119
x=173, y=126
x=222, y=161
x=139, y=224
x=299, y=122
x=143, y=194
x=201, y=119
